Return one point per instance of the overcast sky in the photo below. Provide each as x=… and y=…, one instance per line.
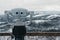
x=30, y=4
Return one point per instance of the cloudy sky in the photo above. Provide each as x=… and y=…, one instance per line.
x=30, y=4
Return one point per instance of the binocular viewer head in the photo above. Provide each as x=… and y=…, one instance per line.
x=17, y=13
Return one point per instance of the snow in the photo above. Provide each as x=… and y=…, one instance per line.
x=39, y=21
x=53, y=16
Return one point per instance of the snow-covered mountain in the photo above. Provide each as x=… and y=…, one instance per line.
x=46, y=23
x=44, y=20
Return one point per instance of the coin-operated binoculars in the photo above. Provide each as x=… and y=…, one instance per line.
x=18, y=17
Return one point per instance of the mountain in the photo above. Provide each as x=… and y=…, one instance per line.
x=46, y=23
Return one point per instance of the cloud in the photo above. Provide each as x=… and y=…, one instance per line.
x=30, y=4
x=42, y=2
